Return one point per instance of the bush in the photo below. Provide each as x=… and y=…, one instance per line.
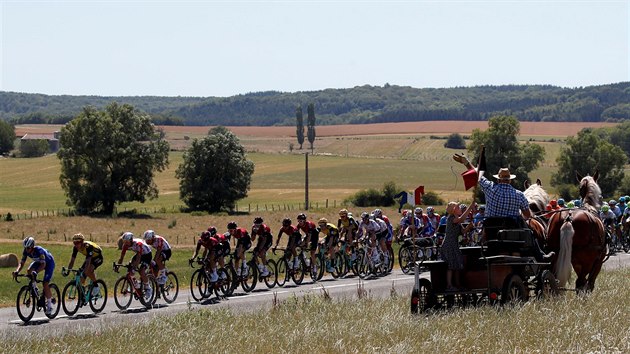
x=374, y=197
x=455, y=141
x=431, y=198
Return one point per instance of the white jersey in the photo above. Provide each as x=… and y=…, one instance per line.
x=370, y=227
x=382, y=224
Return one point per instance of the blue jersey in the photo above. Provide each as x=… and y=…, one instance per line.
x=39, y=254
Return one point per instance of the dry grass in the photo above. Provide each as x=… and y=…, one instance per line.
x=597, y=323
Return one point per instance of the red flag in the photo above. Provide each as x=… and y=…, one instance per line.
x=417, y=195
x=470, y=178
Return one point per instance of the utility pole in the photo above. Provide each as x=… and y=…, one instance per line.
x=306, y=183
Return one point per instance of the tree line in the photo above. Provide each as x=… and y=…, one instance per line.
x=361, y=104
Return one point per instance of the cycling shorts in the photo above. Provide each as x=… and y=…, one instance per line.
x=166, y=255
x=294, y=240
x=97, y=261
x=381, y=235
x=145, y=259
x=264, y=243
x=245, y=242
x=314, y=240
x=48, y=271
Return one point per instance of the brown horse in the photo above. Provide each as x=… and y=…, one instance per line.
x=577, y=236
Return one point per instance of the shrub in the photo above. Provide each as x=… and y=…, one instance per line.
x=374, y=197
x=455, y=141
x=431, y=198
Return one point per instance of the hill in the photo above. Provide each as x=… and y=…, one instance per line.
x=358, y=105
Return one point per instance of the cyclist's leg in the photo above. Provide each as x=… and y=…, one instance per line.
x=48, y=273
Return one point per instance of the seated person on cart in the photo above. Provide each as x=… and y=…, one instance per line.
x=505, y=201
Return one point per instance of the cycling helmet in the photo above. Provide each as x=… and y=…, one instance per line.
x=578, y=203
x=418, y=210
x=343, y=212
x=301, y=216
x=127, y=236
x=349, y=214
x=258, y=220
x=571, y=204
x=78, y=237
x=365, y=215
x=561, y=202
x=378, y=213
x=29, y=242
x=430, y=209
x=286, y=222
x=463, y=206
x=622, y=199
x=323, y=221
x=231, y=225
x=148, y=235
x=612, y=202
x=205, y=235
x=605, y=208
x=212, y=230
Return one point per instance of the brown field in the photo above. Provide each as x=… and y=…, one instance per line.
x=430, y=127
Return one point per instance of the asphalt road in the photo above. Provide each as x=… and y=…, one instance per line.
x=261, y=297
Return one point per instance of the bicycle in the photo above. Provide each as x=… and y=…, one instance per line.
x=30, y=298
x=296, y=273
x=248, y=277
x=270, y=279
x=200, y=285
x=127, y=288
x=412, y=250
x=170, y=289
x=337, y=263
x=77, y=295
x=369, y=263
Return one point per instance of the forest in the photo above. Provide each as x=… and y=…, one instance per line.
x=361, y=104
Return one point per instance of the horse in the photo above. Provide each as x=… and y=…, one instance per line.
x=538, y=199
x=578, y=238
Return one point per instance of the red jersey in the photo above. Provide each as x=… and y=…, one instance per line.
x=240, y=233
x=289, y=230
x=307, y=226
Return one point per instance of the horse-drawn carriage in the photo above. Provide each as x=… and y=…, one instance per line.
x=501, y=270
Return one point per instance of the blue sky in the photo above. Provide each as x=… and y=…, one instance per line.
x=223, y=48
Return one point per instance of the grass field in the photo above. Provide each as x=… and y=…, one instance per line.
x=595, y=323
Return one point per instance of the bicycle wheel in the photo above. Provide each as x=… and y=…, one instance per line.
x=405, y=259
x=337, y=264
x=272, y=278
x=358, y=259
x=198, y=285
x=170, y=289
x=147, y=300
x=71, y=298
x=55, y=300
x=390, y=266
x=319, y=263
x=281, y=272
x=298, y=273
x=225, y=282
x=248, y=282
x=25, y=303
x=123, y=293
x=98, y=301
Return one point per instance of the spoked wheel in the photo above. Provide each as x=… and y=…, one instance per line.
x=514, y=290
x=405, y=259
x=26, y=303
x=198, y=285
x=282, y=272
x=123, y=293
x=225, y=282
x=298, y=272
x=423, y=298
x=55, y=300
x=271, y=279
x=98, y=300
x=390, y=266
x=248, y=283
x=546, y=286
x=70, y=298
x=170, y=289
x=337, y=264
x=319, y=264
x=147, y=299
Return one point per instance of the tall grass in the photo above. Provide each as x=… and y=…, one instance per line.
x=316, y=324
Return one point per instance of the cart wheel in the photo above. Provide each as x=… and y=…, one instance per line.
x=423, y=298
x=514, y=290
x=546, y=286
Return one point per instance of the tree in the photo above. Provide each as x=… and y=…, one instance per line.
x=586, y=153
x=300, y=126
x=504, y=150
x=7, y=137
x=311, y=124
x=34, y=148
x=109, y=157
x=455, y=141
x=215, y=172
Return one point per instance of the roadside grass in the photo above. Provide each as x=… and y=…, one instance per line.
x=314, y=323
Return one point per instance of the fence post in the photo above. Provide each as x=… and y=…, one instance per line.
x=326, y=203
x=249, y=208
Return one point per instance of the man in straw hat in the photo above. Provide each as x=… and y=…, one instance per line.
x=503, y=200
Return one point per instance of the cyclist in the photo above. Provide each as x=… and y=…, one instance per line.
x=347, y=227
x=311, y=236
x=209, y=244
x=561, y=203
x=409, y=225
x=330, y=242
x=265, y=239
x=381, y=235
x=162, y=253
x=371, y=228
x=295, y=238
x=93, y=259
x=378, y=213
x=42, y=260
x=243, y=243
x=433, y=217
x=141, y=260
x=426, y=230
x=223, y=247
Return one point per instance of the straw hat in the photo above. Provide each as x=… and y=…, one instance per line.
x=504, y=173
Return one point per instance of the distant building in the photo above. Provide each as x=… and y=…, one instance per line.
x=52, y=139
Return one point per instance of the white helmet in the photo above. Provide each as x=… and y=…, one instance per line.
x=148, y=235
x=127, y=236
x=29, y=242
x=378, y=213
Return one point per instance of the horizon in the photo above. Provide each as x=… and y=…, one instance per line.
x=214, y=48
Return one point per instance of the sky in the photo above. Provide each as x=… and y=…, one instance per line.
x=222, y=48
